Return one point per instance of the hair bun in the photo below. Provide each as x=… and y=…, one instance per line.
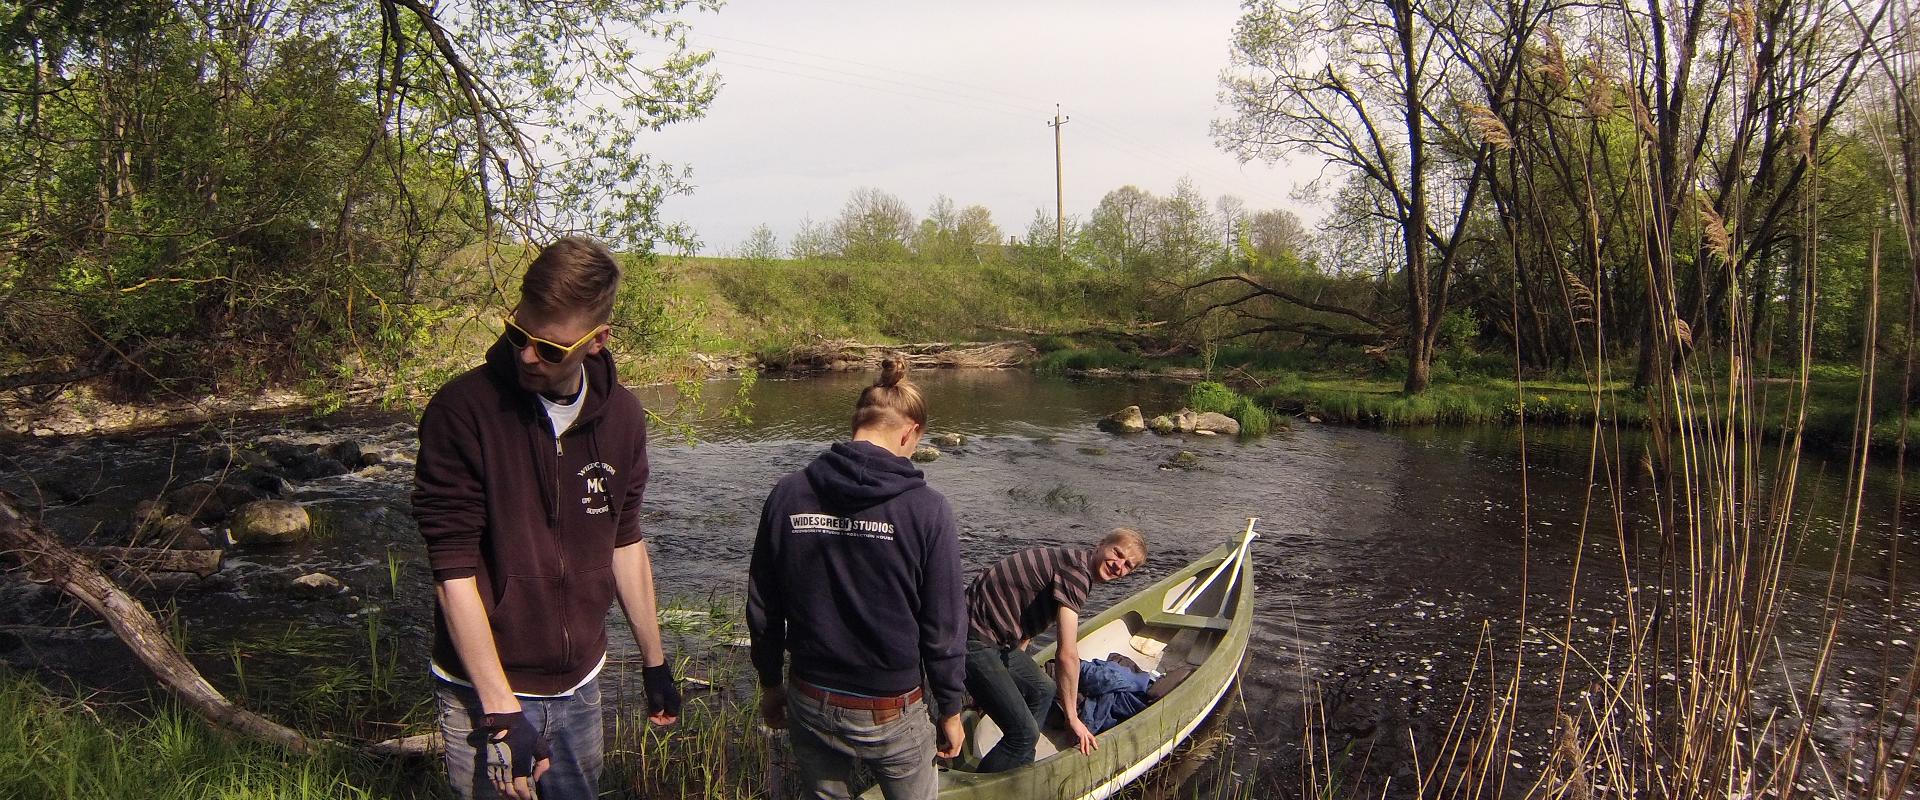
x=893, y=369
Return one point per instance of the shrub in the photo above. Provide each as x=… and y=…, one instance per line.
x=1217, y=397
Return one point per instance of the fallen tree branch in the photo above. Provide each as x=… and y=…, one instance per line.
x=1130, y=329
x=46, y=560
x=1315, y=331
x=148, y=559
x=843, y=355
x=1257, y=288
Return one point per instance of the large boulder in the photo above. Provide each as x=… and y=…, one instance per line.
x=1216, y=422
x=1162, y=425
x=270, y=522
x=1184, y=421
x=948, y=439
x=1126, y=420
x=926, y=453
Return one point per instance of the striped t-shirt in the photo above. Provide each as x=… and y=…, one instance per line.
x=1019, y=597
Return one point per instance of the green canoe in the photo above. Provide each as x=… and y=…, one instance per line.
x=1216, y=593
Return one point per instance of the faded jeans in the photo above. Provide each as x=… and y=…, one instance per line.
x=828, y=740
x=1016, y=695
x=571, y=725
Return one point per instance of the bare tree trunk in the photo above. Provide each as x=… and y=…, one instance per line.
x=1413, y=217
x=46, y=560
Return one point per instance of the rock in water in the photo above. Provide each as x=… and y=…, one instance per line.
x=199, y=501
x=270, y=522
x=317, y=584
x=1126, y=420
x=1183, y=421
x=1216, y=422
x=1184, y=459
x=264, y=482
x=925, y=454
x=948, y=439
x=148, y=513
x=1162, y=425
x=176, y=531
x=346, y=451
x=190, y=539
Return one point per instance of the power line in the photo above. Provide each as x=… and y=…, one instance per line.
x=1034, y=104
x=992, y=95
x=971, y=96
x=883, y=89
x=975, y=102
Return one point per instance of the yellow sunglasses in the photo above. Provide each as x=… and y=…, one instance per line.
x=549, y=351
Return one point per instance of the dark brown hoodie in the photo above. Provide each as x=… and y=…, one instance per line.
x=534, y=520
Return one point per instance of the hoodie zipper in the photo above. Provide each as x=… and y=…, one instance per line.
x=566, y=634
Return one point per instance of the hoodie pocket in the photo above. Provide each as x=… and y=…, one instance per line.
x=529, y=624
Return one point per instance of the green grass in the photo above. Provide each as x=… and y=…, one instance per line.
x=1481, y=400
x=764, y=306
x=1381, y=402
x=342, y=684
x=1216, y=397
x=1076, y=359
x=54, y=745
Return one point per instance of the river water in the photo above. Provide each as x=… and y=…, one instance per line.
x=1386, y=553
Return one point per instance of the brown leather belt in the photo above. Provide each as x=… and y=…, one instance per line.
x=851, y=701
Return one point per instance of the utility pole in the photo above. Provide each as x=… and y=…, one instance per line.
x=1059, y=194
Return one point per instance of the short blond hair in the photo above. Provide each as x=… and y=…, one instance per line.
x=1129, y=542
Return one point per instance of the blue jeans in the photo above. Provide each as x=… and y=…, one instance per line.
x=1013, y=691
x=571, y=725
x=896, y=746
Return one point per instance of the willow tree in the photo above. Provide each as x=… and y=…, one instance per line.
x=239, y=186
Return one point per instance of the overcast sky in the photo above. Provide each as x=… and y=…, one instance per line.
x=923, y=99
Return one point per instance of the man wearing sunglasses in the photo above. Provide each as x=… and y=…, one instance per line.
x=527, y=491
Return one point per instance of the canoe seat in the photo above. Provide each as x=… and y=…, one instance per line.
x=1168, y=619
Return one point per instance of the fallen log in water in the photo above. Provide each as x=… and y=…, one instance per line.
x=847, y=355
x=46, y=560
x=148, y=559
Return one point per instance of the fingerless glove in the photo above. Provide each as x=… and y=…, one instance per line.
x=512, y=743
x=663, y=694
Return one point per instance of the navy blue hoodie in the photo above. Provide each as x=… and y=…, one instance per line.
x=856, y=572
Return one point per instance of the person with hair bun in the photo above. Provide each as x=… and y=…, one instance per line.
x=856, y=574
